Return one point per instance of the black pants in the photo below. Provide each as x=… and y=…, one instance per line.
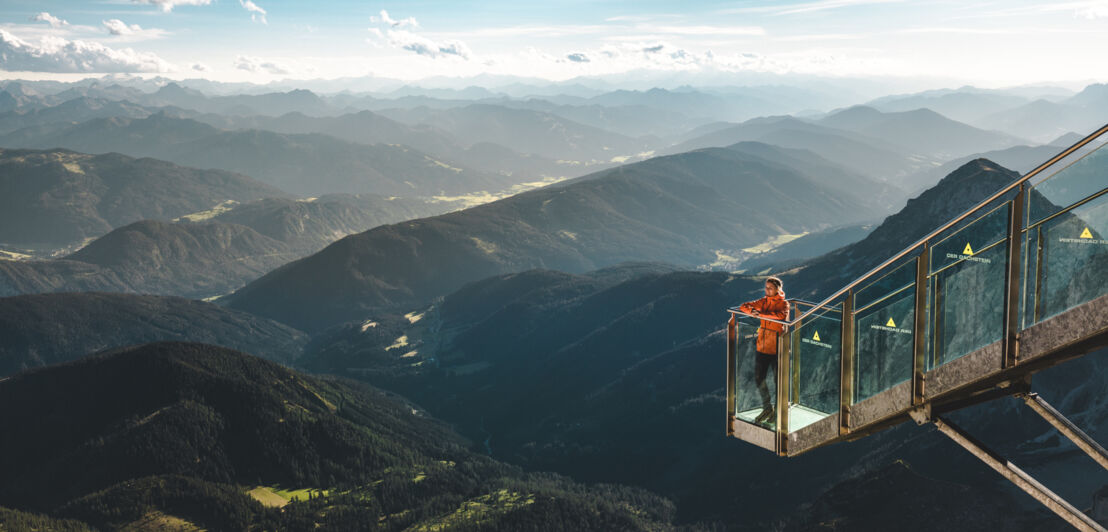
x=762, y=363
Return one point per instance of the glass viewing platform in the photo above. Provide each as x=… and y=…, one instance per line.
x=966, y=314
x=1012, y=286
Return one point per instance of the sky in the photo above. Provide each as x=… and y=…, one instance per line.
x=987, y=44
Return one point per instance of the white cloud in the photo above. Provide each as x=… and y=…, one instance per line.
x=1092, y=10
x=256, y=13
x=410, y=21
x=808, y=7
x=702, y=30
x=200, y=67
x=413, y=42
x=578, y=58
x=168, y=5
x=537, y=31
x=53, y=21
x=55, y=54
x=259, y=65
x=130, y=32
x=118, y=27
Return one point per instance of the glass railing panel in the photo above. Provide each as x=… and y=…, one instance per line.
x=1067, y=259
x=966, y=301
x=883, y=284
x=1070, y=184
x=984, y=231
x=753, y=394
x=814, y=366
x=884, y=332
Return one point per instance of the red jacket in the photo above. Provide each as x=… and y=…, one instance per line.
x=771, y=307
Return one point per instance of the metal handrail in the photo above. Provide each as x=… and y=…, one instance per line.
x=1015, y=184
x=735, y=310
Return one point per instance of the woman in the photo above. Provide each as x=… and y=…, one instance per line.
x=773, y=305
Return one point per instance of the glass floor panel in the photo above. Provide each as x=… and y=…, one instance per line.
x=799, y=417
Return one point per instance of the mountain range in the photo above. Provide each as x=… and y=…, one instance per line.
x=310, y=164
x=1043, y=120
x=366, y=127
x=920, y=131
x=308, y=225
x=859, y=153
x=525, y=131
x=152, y=257
x=58, y=198
x=687, y=209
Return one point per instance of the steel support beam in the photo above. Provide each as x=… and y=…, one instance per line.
x=732, y=348
x=1012, y=279
x=783, y=359
x=919, y=328
x=1067, y=428
x=1008, y=470
x=846, y=364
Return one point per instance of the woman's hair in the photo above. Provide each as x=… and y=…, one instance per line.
x=775, y=281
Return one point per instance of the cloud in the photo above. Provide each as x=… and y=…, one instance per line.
x=200, y=67
x=413, y=42
x=702, y=30
x=55, y=54
x=256, y=64
x=578, y=58
x=653, y=49
x=407, y=40
x=168, y=5
x=808, y=7
x=53, y=21
x=410, y=21
x=1092, y=10
x=256, y=13
x=130, y=32
x=118, y=27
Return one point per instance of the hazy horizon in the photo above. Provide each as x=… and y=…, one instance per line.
x=892, y=45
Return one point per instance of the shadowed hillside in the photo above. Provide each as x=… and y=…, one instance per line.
x=40, y=330
x=218, y=439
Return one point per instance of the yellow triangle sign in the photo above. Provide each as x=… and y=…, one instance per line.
x=816, y=336
x=1086, y=233
x=968, y=250
x=891, y=323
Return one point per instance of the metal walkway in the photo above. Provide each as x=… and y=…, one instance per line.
x=967, y=314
